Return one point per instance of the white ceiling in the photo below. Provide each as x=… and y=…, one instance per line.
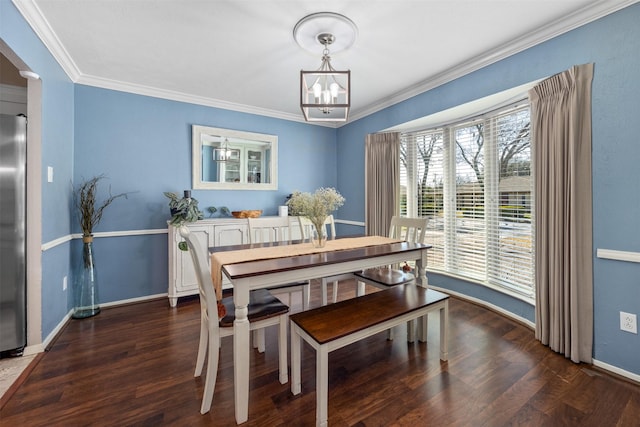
x=240, y=54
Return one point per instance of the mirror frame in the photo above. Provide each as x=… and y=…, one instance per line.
x=196, y=159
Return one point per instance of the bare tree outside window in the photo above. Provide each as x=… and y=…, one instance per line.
x=486, y=233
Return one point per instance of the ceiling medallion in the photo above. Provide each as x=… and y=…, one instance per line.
x=325, y=94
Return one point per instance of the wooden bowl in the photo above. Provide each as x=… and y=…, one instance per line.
x=247, y=214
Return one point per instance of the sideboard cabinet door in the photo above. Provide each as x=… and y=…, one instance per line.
x=182, y=276
x=230, y=234
x=212, y=232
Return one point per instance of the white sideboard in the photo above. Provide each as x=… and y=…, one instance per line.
x=212, y=232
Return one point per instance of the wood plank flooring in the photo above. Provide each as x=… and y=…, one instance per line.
x=133, y=366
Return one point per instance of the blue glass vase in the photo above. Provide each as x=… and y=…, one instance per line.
x=85, y=293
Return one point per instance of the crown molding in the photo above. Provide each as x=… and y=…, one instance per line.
x=33, y=15
x=577, y=19
x=183, y=97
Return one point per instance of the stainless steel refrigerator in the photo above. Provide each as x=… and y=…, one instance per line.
x=13, y=289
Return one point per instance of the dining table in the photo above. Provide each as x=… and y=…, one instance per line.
x=254, y=266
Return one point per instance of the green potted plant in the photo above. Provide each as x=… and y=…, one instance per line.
x=183, y=210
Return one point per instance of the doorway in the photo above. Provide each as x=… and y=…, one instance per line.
x=18, y=75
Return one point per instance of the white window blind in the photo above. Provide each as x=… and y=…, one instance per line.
x=473, y=181
x=422, y=185
x=511, y=264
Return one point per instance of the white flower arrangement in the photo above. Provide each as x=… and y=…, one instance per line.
x=317, y=206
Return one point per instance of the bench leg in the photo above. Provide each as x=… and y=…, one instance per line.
x=444, y=331
x=295, y=360
x=423, y=326
x=322, y=386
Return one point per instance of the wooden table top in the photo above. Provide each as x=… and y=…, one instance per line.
x=258, y=267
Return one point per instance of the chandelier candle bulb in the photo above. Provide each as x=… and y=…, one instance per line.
x=326, y=92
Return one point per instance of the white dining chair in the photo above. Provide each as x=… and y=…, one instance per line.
x=410, y=230
x=330, y=230
x=278, y=229
x=263, y=310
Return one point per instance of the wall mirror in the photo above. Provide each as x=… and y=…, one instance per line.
x=225, y=159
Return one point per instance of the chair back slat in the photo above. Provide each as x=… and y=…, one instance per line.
x=267, y=230
x=306, y=227
x=208, y=300
x=409, y=229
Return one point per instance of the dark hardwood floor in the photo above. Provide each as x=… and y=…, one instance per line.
x=133, y=366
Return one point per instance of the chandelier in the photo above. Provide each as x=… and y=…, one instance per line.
x=224, y=153
x=325, y=94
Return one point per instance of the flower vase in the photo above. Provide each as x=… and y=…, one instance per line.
x=318, y=236
x=86, y=303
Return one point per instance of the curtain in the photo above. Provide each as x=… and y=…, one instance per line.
x=382, y=181
x=561, y=136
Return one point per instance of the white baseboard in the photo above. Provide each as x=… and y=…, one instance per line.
x=616, y=370
x=597, y=363
x=56, y=330
x=133, y=300
x=488, y=305
x=39, y=348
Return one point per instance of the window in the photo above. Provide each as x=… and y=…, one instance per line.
x=473, y=181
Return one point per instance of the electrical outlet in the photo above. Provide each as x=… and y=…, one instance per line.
x=628, y=322
x=64, y=283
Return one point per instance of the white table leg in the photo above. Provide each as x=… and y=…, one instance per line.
x=324, y=291
x=306, y=297
x=282, y=349
x=360, y=288
x=421, y=269
x=411, y=331
x=322, y=386
x=241, y=346
x=422, y=280
x=295, y=360
x=444, y=331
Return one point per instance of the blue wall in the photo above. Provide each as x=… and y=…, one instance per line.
x=143, y=145
x=613, y=44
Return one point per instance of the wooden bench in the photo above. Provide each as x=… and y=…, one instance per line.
x=334, y=326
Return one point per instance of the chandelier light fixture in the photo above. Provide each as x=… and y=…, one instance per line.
x=325, y=94
x=226, y=154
